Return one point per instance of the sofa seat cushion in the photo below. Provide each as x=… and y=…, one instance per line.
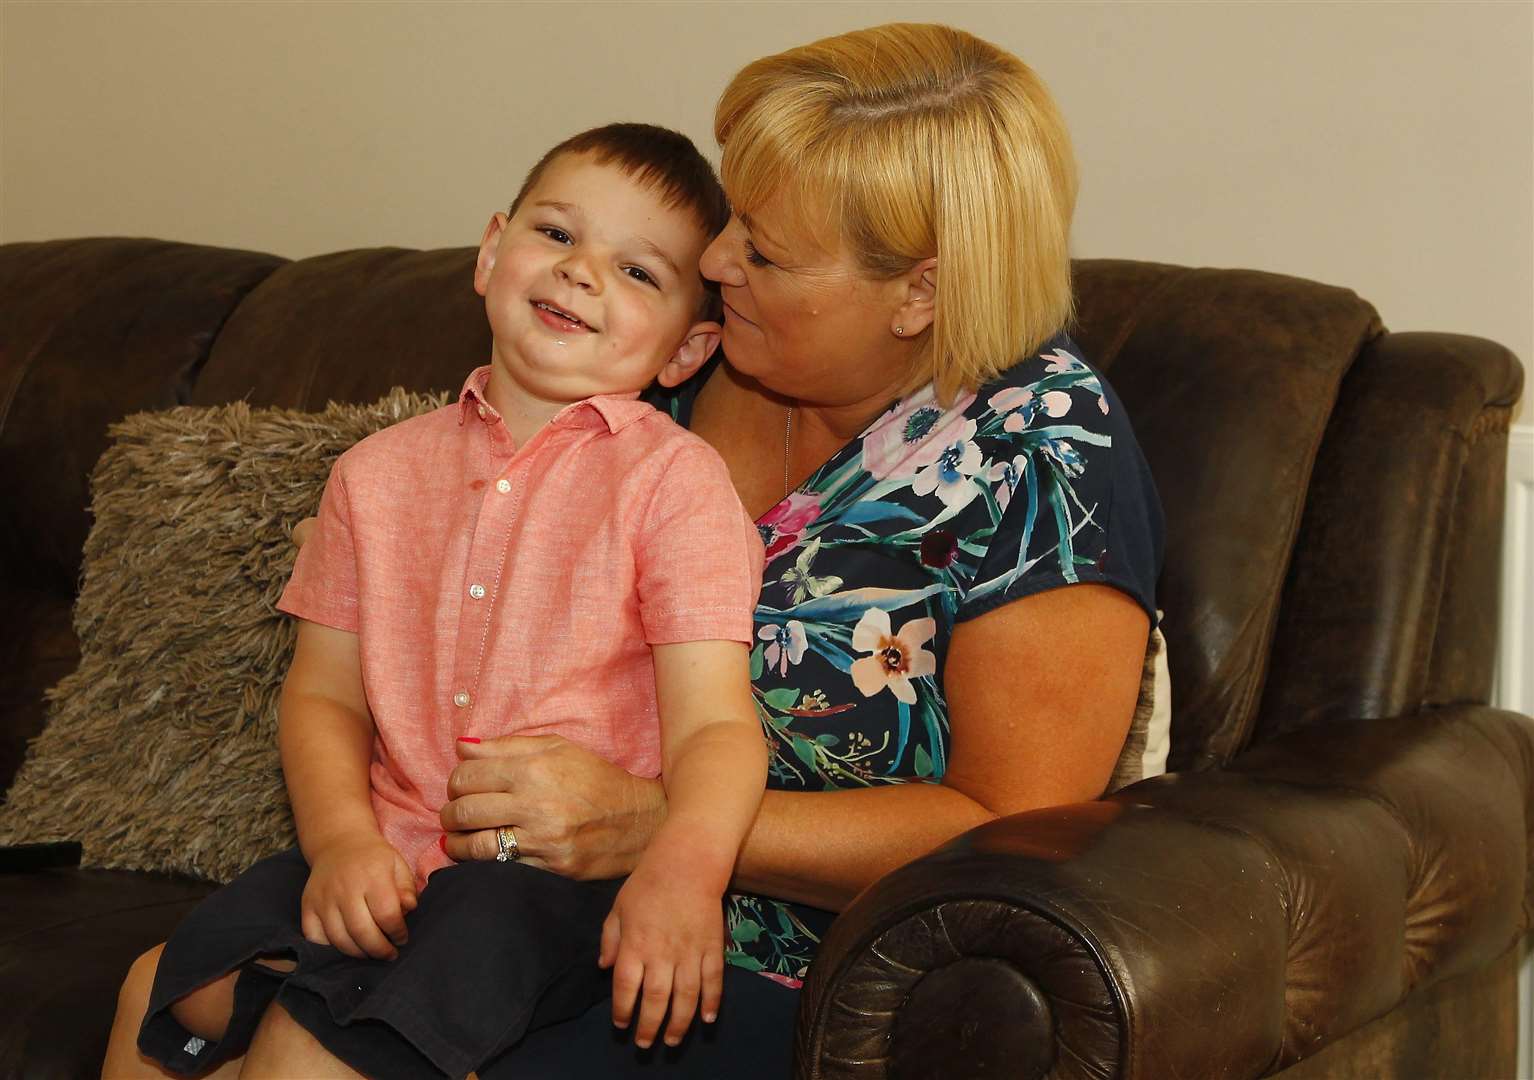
x=67, y=941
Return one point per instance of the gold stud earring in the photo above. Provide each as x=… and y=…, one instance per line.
x=900, y=331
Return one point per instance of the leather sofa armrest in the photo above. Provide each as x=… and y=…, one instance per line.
x=1223, y=923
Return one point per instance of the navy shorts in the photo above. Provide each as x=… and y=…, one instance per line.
x=499, y=976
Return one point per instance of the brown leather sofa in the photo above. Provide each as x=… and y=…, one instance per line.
x=1333, y=882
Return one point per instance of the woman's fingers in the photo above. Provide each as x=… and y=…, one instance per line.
x=302, y=530
x=482, y=810
x=482, y=844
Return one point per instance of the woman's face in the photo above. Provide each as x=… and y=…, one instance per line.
x=801, y=317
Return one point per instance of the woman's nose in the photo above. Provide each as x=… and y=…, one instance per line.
x=719, y=262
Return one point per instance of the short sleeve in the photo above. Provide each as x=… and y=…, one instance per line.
x=323, y=587
x=1080, y=503
x=698, y=556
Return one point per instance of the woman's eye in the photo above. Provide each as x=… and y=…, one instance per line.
x=754, y=257
x=638, y=274
x=559, y=236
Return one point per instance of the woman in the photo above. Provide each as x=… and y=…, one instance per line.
x=963, y=538
x=962, y=535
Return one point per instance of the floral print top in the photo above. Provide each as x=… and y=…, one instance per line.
x=930, y=517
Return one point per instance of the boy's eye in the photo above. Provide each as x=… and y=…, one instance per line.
x=638, y=274
x=559, y=236
x=754, y=257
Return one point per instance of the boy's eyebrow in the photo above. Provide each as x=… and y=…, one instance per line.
x=649, y=246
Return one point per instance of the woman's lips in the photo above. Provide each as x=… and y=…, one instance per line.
x=556, y=318
x=730, y=310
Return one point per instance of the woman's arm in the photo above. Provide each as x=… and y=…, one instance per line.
x=1040, y=691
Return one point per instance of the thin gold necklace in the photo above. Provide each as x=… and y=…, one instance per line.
x=788, y=436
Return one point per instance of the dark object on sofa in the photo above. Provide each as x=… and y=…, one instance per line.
x=1335, y=882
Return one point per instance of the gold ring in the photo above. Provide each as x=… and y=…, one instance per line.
x=506, y=842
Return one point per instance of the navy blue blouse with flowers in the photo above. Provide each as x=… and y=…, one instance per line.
x=930, y=517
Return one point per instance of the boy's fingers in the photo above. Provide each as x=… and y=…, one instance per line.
x=336, y=932
x=404, y=884
x=302, y=530
x=652, y=1004
x=612, y=934
x=628, y=974
x=313, y=929
x=713, y=985
x=364, y=930
x=684, y=1003
x=384, y=906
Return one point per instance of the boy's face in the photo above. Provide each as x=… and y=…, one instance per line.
x=592, y=287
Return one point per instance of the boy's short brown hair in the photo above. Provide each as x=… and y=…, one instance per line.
x=659, y=158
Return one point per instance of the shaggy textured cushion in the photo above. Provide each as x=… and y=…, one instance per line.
x=160, y=751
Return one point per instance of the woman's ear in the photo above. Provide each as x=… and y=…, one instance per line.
x=919, y=306
x=699, y=344
x=489, y=245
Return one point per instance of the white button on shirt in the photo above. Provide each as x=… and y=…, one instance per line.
x=483, y=412
x=503, y=486
x=477, y=591
x=462, y=699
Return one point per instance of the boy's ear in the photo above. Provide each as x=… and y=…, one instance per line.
x=489, y=244
x=699, y=344
x=919, y=305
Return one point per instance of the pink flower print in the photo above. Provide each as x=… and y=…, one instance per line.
x=1060, y=361
x=910, y=436
x=1056, y=403
x=1017, y=404
x=1008, y=474
x=896, y=658
x=1102, y=404
x=784, y=980
x=951, y=475
x=781, y=526
x=786, y=644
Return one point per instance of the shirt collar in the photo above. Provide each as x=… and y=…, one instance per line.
x=614, y=411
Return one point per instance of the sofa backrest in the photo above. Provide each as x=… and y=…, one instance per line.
x=1255, y=396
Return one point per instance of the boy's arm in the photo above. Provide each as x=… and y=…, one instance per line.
x=666, y=929
x=714, y=759
x=358, y=884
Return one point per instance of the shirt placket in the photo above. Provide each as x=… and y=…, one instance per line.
x=489, y=549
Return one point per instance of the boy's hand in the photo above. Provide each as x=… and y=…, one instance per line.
x=357, y=896
x=666, y=934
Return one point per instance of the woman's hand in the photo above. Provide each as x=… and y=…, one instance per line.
x=574, y=813
x=302, y=530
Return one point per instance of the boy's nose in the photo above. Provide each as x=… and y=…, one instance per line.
x=578, y=272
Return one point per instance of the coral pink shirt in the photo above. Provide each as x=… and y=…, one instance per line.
x=499, y=590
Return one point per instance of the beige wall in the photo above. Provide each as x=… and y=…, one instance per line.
x=1388, y=147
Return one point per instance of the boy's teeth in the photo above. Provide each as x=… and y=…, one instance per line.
x=561, y=314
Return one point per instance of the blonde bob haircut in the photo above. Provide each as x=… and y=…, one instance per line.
x=911, y=141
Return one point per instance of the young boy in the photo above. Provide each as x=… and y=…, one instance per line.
x=546, y=555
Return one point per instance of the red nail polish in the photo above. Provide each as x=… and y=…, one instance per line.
x=467, y=738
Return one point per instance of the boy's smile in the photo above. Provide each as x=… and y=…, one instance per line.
x=591, y=287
